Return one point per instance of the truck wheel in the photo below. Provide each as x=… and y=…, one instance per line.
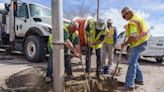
x=159, y=59
x=34, y=48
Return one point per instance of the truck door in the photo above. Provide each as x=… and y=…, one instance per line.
x=22, y=20
x=2, y=24
x=120, y=39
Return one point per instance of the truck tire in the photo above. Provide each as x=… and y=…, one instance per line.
x=159, y=59
x=34, y=48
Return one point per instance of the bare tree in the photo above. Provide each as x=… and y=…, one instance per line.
x=80, y=11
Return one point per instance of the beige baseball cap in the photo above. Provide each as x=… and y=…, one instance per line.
x=109, y=21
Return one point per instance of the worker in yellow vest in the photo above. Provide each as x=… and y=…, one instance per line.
x=95, y=33
x=108, y=46
x=137, y=33
x=72, y=44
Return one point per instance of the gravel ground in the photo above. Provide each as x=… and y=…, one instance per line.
x=153, y=72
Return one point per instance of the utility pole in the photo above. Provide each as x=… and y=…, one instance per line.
x=98, y=8
x=12, y=20
x=58, y=47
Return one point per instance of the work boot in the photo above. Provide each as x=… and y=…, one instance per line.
x=131, y=89
x=139, y=82
x=106, y=71
x=70, y=77
x=48, y=79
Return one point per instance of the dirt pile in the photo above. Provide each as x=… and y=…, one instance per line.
x=32, y=80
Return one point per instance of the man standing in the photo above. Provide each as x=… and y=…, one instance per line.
x=95, y=33
x=71, y=42
x=108, y=45
x=137, y=33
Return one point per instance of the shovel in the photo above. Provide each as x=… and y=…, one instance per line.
x=115, y=71
x=85, y=75
x=118, y=62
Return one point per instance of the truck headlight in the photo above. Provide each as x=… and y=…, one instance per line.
x=47, y=29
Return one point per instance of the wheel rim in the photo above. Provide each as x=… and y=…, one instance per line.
x=31, y=49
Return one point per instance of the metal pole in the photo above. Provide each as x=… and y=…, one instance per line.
x=98, y=8
x=58, y=49
x=12, y=23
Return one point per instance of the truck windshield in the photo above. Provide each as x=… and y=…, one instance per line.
x=40, y=11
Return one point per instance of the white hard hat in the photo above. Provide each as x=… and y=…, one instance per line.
x=100, y=24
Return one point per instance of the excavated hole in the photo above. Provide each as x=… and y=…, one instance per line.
x=95, y=85
x=32, y=80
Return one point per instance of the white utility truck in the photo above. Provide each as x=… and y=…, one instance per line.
x=154, y=49
x=25, y=27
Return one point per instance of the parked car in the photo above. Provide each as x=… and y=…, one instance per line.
x=154, y=49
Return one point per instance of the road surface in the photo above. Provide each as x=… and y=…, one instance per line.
x=153, y=72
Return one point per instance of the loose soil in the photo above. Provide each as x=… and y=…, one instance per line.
x=32, y=80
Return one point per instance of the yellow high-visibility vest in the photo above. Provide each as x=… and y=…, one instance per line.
x=74, y=35
x=109, y=39
x=142, y=31
x=50, y=40
x=92, y=32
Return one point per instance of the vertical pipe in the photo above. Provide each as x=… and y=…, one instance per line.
x=58, y=49
x=12, y=22
x=98, y=8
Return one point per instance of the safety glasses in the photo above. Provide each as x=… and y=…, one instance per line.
x=124, y=15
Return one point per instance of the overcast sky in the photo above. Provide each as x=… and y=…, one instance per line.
x=151, y=10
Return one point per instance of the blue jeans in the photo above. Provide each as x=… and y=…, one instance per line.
x=134, y=70
x=49, y=65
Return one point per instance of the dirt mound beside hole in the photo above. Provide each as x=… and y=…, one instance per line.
x=31, y=80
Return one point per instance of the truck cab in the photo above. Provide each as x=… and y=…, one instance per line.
x=25, y=27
